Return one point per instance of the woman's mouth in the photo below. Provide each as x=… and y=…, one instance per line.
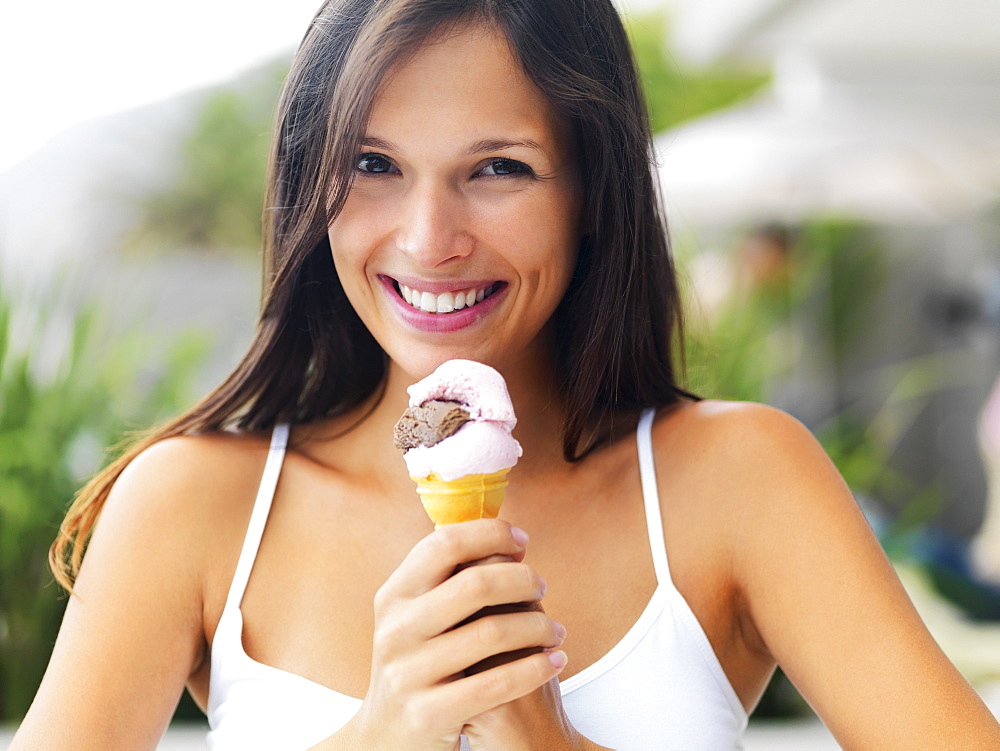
x=443, y=307
x=445, y=302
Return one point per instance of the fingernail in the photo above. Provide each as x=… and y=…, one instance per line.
x=543, y=585
x=560, y=631
x=519, y=535
x=557, y=659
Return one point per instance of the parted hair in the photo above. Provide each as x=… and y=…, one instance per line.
x=312, y=357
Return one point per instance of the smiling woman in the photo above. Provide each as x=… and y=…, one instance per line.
x=473, y=179
x=478, y=202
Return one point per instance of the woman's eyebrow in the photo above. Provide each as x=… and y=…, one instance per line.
x=377, y=143
x=479, y=147
x=497, y=144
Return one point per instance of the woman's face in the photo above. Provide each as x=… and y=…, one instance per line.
x=459, y=236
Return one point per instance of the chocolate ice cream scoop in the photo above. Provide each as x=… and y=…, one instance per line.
x=429, y=424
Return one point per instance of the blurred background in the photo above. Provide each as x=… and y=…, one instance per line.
x=831, y=172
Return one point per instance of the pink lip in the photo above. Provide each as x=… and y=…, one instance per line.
x=440, y=322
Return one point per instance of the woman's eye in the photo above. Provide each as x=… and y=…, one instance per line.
x=374, y=164
x=503, y=167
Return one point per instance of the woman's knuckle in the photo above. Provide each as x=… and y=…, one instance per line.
x=500, y=531
x=423, y=716
x=527, y=579
x=380, y=601
x=402, y=630
x=478, y=584
x=489, y=631
x=394, y=678
x=384, y=597
x=497, y=683
x=540, y=622
x=389, y=632
x=446, y=544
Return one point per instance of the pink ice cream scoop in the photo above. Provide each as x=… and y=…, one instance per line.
x=459, y=423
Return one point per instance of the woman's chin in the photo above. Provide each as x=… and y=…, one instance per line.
x=416, y=365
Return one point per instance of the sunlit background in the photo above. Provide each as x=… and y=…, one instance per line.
x=831, y=171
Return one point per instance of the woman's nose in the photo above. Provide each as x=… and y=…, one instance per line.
x=432, y=226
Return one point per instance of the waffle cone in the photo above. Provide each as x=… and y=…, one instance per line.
x=467, y=498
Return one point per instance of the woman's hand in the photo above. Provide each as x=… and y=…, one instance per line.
x=419, y=697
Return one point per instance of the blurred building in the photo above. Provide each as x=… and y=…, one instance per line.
x=886, y=113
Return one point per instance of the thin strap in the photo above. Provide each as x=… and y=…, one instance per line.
x=651, y=497
x=258, y=518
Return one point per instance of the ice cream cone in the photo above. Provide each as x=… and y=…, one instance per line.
x=470, y=497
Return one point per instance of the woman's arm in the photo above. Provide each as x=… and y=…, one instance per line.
x=132, y=633
x=826, y=601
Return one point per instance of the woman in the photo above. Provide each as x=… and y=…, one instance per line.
x=501, y=148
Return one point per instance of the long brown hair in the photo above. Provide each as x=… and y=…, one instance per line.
x=312, y=357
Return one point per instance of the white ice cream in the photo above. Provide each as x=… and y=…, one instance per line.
x=481, y=446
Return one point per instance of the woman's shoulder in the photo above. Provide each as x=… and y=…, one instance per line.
x=186, y=469
x=746, y=485
x=722, y=416
x=219, y=454
x=743, y=462
x=188, y=487
x=739, y=436
x=179, y=510
x=756, y=480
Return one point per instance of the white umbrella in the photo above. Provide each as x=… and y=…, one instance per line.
x=850, y=156
x=886, y=110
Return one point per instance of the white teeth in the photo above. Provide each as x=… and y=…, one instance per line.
x=446, y=302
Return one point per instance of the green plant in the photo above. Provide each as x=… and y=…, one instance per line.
x=674, y=95
x=61, y=403
x=216, y=199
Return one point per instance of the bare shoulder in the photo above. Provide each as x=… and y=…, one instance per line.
x=760, y=451
x=177, y=475
x=759, y=485
x=182, y=505
x=741, y=427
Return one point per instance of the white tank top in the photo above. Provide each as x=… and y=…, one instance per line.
x=661, y=687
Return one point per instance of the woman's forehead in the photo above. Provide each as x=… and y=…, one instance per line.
x=465, y=80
